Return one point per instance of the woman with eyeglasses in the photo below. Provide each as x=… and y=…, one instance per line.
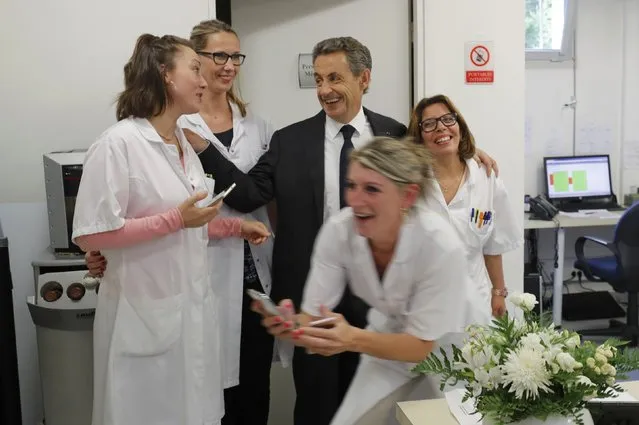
x=225, y=123
x=475, y=203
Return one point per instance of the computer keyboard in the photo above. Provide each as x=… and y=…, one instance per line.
x=591, y=206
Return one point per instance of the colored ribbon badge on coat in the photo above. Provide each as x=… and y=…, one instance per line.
x=480, y=218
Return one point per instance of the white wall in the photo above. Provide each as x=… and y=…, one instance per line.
x=494, y=112
x=274, y=32
x=61, y=70
x=630, y=106
x=607, y=86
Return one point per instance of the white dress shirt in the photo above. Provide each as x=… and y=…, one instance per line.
x=333, y=142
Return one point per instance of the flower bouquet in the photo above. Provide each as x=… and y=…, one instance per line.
x=521, y=368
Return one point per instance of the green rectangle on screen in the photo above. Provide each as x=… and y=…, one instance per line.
x=561, y=181
x=579, y=181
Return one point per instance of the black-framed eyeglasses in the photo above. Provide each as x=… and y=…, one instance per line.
x=430, y=124
x=221, y=58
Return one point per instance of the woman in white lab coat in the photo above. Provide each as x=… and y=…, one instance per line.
x=224, y=122
x=143, y=202
x=242, y=137
x=475, y=203
x=405, y=261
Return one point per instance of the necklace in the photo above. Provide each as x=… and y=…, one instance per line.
x=170, y=140
x=446, y=188
x=167, y=139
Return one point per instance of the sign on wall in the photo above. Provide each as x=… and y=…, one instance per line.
x=305, y=71
x=480, y=67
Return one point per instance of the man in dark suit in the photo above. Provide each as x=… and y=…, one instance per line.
x=303, y=171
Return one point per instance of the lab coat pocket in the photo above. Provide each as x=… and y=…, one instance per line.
x=481, y=225
x=148, y=364
x=149, y=327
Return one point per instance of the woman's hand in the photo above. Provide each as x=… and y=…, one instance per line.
x=194, y=216
x=197, y=142
x=96, y=263
x=255, y=232
x=326, y=341
x=484, y=159
x=498, y=305
x=279, y=326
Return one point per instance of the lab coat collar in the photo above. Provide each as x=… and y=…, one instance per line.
x=404, y=249
x=147, y=130
x=150, y=133
x=333, y=127
x=238, y=120
x=473, y=169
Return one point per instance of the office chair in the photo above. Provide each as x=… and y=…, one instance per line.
x=620, y=270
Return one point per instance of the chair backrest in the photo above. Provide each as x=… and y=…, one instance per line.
x=627, y=243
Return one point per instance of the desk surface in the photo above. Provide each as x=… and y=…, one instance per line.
x=436, y=411
x=567, y=221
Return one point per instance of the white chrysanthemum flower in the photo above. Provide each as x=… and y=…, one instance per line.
x=566, y=362
x=590, y=362
x=597, y=370
x=525, y=371
x=610, y=381
x=524, y=301
x=531, y=341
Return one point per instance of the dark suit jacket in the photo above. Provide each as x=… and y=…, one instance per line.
x=292, y=173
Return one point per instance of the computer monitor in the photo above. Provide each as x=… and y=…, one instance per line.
x=578, y=177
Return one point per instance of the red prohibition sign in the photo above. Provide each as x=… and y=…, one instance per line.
x=479, y=55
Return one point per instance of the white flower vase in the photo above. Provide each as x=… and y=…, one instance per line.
x=551, y=420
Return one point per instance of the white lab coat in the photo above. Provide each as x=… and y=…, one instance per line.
x=251, y=138
x=418, y=295
x=497, y=235
x=156, y=336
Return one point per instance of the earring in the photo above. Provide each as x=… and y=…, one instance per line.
x=404, y=212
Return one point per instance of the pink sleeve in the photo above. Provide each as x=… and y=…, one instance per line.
x=134, y=231
x=220, y=228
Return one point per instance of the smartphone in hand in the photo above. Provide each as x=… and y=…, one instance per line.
x=267, y=303
x=220, y=196
x=326, y=323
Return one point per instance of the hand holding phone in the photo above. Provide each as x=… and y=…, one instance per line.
x=220, y=196
x=267, y=303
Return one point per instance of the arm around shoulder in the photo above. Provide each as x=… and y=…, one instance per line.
x=252, y=190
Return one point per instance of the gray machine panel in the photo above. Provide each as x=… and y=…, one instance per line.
x=54, y=164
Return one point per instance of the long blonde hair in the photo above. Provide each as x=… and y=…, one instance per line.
x=199, y=37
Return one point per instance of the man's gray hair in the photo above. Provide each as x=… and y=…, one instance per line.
x=357, y=55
